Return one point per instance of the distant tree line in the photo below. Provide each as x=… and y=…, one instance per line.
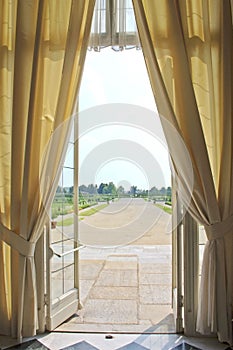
x=92, y=194
x=111, y=189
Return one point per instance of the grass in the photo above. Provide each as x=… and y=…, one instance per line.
x=70, y=221
x=164, y=208
x=93, y=210
x=66, y=222
x=61, y=208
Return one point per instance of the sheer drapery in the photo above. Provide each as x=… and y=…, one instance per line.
x=188, y=51
x=42, y=51
x=114, y=25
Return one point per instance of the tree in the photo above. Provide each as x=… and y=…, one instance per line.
x=154, y=191
x=112, y=189
x=133, y=190
x=120, y=190
x=92, y=189
x=83, y=188
x=169, y=191
x=105, y=189
x=169, y=194
x=144, y=193
x=162, y=191
x=101, y=187
x=59, y=189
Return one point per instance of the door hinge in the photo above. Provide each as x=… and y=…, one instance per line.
x=46, y=299
x=181, y=301
x=179, y=325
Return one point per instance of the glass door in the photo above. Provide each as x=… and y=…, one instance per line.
x=62, y=297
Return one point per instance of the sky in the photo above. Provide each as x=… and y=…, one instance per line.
x=120, y=148
x=115, y=76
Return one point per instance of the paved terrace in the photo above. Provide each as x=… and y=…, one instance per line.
x=125, y=270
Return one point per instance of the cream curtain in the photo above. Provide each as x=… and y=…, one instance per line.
x=42, y=50
x=187, y=46
x=114, y=25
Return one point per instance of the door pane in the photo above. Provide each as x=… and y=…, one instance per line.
x=62, y=294
x=68, y=278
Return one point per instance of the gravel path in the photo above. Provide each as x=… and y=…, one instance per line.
x=126, y=221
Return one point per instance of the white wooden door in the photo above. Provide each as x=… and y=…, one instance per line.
x=62, y=296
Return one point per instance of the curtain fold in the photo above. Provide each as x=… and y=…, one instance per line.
x=42, y=52
x=188, y=52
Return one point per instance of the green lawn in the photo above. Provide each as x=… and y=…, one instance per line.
x=164, y=208
x=93, y=210
x=66, y=222
x=70, y=221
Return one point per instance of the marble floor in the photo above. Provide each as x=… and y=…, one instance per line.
x=92, y=341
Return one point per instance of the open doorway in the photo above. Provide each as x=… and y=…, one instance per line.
x=125, y=264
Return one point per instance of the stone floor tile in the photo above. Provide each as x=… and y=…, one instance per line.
x=85, y=287
x=114, y=293
x=121, y=278
x=155, y=278
x=154, y=313
x=90, y=270
x=121, y=265
x=111, y=311
x=155, y=268
x=155, y=294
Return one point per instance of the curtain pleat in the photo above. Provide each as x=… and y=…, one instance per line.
x=188, y=51
x=42, y=51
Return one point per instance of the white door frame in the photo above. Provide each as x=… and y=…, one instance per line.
x=191, y=274
x=185, y=268
x=177, y=261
